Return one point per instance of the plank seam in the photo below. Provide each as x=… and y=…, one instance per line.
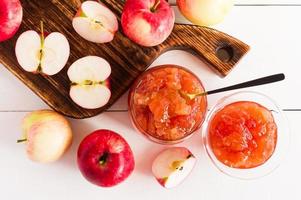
x=121, y=111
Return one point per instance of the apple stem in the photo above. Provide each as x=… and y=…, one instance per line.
x=42, y=46
x=21, y=140
x=154, y=8
x=42, y=33
x=103, y=159
x=189, y=156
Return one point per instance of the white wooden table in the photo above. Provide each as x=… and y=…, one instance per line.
x=270, y=27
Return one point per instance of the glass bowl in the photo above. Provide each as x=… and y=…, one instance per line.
x=283, y=136
x=141, y=122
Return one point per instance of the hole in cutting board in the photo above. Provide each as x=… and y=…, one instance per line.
x=225, y=53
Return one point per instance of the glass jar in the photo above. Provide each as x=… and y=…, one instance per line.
x=215, y=150
x=159, y=108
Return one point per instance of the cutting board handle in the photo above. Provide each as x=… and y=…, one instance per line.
x=219, y=50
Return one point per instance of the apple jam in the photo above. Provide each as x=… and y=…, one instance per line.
x=243, y=134
x=160, y=110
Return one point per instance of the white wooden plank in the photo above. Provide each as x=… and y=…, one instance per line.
x=22, y=179
x=15, y=95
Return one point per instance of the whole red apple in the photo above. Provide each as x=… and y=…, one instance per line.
x=105, y=158
x=147, y=22
x=11, y=14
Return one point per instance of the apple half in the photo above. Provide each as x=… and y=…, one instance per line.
x=38, y=54
x=172, y=166
x=90, y=87
x=95, y=22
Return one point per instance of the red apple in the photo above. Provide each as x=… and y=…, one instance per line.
x=11, y=14
x=147, y=22
x=105, y=158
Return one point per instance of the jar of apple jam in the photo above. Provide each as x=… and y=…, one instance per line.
x=158, y=108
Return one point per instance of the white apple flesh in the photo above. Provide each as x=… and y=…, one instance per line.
x=90, y=84
x=95, y=22
x=172, y=166
x=38, y=55
x=47, y=134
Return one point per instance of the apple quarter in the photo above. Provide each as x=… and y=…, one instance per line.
x=95, y=22
x=172, y=166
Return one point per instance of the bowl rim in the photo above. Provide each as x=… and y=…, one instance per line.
x=218, y=106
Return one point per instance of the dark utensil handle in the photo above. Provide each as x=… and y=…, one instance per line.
x=256, y=82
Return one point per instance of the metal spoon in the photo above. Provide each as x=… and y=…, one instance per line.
x=255, y=82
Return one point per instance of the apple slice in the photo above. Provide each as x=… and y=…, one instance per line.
x=172, y=166
x=11, y=15
x=90, y=84
x=38, y=54
x=95, y=22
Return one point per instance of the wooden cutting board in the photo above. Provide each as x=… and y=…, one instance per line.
x=127, y=59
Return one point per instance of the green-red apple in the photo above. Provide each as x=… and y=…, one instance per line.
x=47, y=135
x=205, y=12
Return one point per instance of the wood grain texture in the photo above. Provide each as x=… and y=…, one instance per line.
x=127, y=59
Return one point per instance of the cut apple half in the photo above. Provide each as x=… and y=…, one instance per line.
x=172, y=166
x=90, y=86
x=95, y=22
x=38, y=54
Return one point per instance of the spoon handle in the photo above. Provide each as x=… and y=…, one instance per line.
x=255, y=82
